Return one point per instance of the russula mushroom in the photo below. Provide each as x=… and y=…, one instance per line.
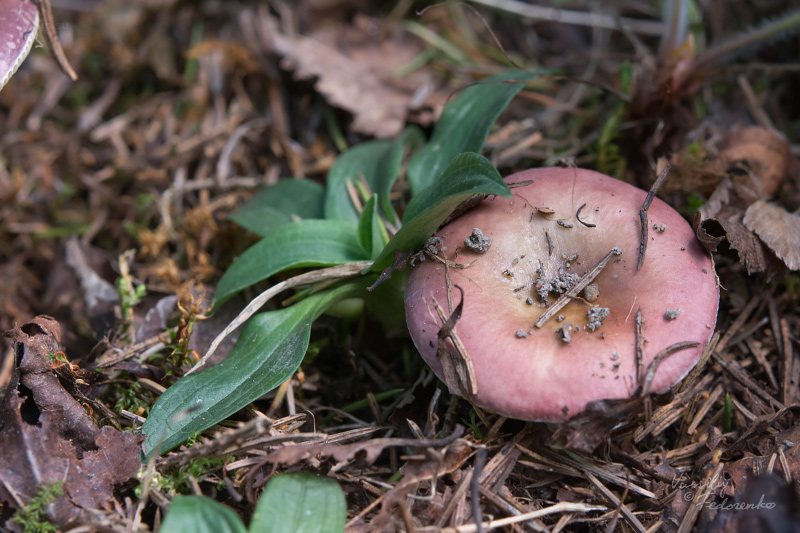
x=19, y=21
x=544, y=240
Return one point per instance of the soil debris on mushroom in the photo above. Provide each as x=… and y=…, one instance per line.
x=478, y=242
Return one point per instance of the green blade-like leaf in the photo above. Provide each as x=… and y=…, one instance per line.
x=370, y=229
x=300, y=502
x=378, y=162
x=464, y=126
x=466, y=175
x=199, y=514
x=274, y=206
x=269, y=350
x=298, y=244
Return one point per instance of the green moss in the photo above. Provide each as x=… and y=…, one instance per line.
x=32, y=517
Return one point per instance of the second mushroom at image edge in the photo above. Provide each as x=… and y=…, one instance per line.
x=531, y=249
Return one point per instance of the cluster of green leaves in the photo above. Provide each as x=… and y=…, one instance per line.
x=33, y=517
x=300, y=502
x=306, y=225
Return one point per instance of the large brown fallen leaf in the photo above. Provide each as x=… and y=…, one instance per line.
x=356, y=69
x=778, y=229
x=47, y=437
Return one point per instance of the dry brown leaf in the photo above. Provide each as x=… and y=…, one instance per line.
x=764, y=155
x=587, y=430
x=47, y=436
x=778, y=229
x=355, y=70
x=757, y=162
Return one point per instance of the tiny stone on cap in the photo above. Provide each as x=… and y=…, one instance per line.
x=671, y=314
x=591, y=292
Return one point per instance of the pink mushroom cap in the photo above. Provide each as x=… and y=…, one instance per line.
x=531, y=373
x=19, y=21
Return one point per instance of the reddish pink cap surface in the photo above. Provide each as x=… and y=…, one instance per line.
x=539, y=376
x=19, y=21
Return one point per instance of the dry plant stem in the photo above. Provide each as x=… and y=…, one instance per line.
x=690, y=380
x=563, y=507
x=790, y=365
x=578, y=18
x=51, y=36
x=585, y=280
x=639, y=347
x=741, y=42
x=113, y=356
x=738, y=373
x=629, y=516
x=475, y=486
x=459, y=372
x=708, y=484
x=578, y=218
x=643, y=213
x=663, y=354
x=337, y=272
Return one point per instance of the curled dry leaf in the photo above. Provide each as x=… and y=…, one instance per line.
x=756, y=161
x=47, y=436
x=778, y=229
x=356, y=69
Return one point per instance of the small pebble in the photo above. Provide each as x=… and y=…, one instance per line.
x=591, y=292
x=521, y=334
x=671, y=314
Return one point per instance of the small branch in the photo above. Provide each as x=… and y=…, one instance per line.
x=563, y=507
x=639, y=348
x=458, y=368
x=574, y=291
x=578, y=18
x=338, y=272
x=51, y=36
x=643, y=213
x=475, y=488
x=658, y=359
x=578, y=218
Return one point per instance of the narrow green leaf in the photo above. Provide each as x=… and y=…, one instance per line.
x=466, y=175
x=370, y=229
x=300, y=502
x=269, y=350
x=378, y=162
x=464, y=126
x=199, y=514
x=274, y=206
x=304, y=243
